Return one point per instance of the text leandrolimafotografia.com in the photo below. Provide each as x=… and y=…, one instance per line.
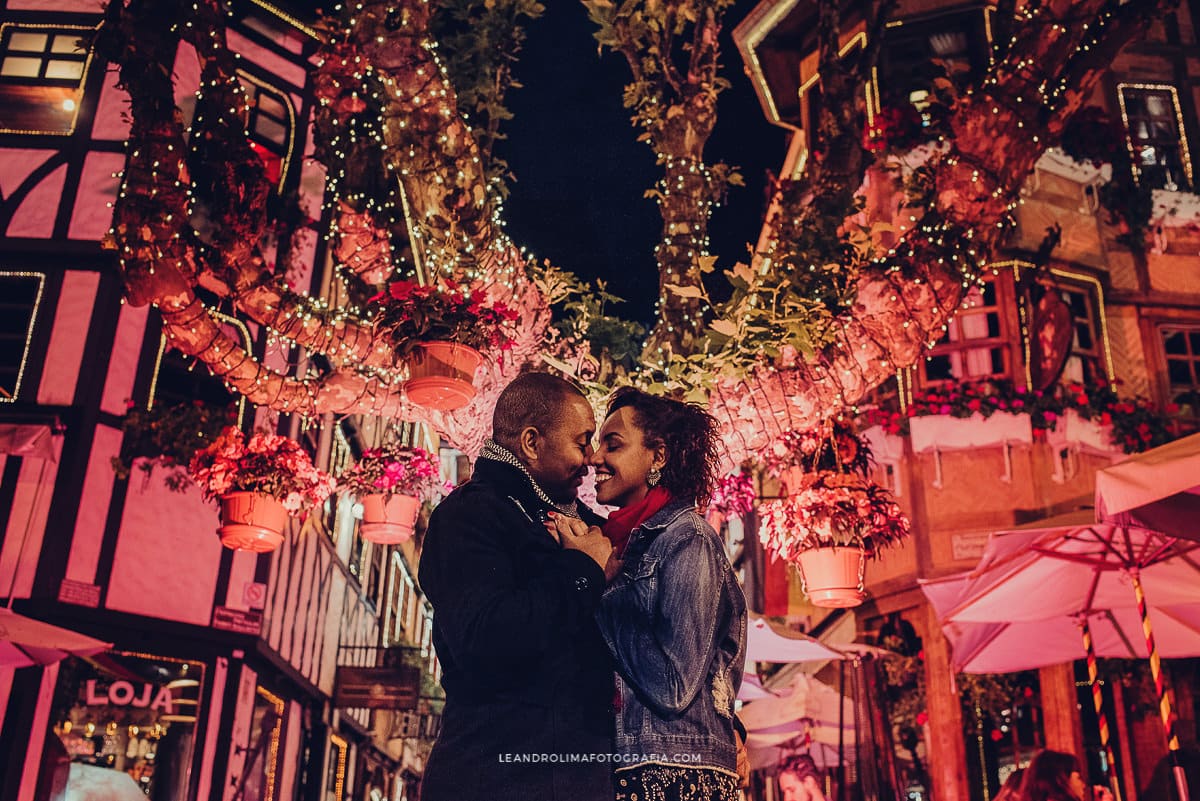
x=625, y=759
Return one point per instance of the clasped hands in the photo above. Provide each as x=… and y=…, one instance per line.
x=576, y=535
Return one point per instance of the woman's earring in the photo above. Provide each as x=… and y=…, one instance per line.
x=654, y=476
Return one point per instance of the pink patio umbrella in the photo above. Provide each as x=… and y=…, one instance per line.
x=1092, y=575
x=804, y=718
x=1158, y=489
x=767, y=643
x=25, y=641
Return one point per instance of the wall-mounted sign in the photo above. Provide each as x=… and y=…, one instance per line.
x=125, y=693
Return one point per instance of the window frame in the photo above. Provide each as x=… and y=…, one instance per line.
x=31, y=328
x=76, y=87
x=247, y=343
x=1008, y=340
x=287, y=150
x=1180, y=127
x=1191, y=357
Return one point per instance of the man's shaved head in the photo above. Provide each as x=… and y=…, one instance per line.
x=532, y=400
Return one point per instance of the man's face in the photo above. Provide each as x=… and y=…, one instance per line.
x=795, y=789
x=561, y=457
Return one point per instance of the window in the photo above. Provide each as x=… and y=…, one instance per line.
x=1085, y=364
x=1182, y=347
x=1155, y=136
x=402, y=603
x=976, y=344
x=270, y=126
x=917, y=51
x=184, y=379
x=20, y=298
x=42, y=70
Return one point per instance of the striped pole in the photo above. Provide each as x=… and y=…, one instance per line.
x=1164, y=700
x=1110, y=771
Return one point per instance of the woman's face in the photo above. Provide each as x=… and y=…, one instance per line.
x=622, y=460
x=1075, y=785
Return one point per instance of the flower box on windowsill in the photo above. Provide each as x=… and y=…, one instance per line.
x=945, y=433
x=1076, y=430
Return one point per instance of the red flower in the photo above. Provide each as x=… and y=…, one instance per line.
x=1172, y=408
x=922, y=718
x=997, y=735
x=401, y=290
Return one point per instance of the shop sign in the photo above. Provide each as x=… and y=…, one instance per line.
x=79, y=593
x=124, y=693
x=236, y=620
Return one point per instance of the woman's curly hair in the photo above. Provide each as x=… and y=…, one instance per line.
x=687, y=432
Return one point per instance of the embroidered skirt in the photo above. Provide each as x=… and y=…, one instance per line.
x=672, y=783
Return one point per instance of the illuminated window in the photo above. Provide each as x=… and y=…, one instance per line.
x=1155, y=136
x=271, y=126
x=42, y=70
x=184, y=379
x=20, y=298
x=977, y=343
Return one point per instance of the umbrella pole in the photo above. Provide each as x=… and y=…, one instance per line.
x=1164, y=700
x=1110, y=771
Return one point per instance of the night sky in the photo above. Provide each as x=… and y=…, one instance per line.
x=580, y=173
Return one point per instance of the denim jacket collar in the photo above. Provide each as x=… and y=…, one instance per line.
x=666, y=515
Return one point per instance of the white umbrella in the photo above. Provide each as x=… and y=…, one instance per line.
x=1158, y=489
x=25, y=641
x=766, y=643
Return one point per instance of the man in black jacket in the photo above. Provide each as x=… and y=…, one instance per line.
x=527, y=676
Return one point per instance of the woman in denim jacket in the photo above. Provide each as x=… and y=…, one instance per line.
x=673, y=614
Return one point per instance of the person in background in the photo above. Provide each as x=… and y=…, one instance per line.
x=799, y=779
x=1011, y=790
x=1055, y=776
x=674, y=616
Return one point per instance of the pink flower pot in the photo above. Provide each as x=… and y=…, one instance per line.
x=833, y=576
x=441, y=375
x=252, y=521
x=388, y=520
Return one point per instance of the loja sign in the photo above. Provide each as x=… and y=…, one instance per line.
x=123, y=693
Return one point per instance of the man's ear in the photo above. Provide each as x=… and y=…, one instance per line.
x=529, y=441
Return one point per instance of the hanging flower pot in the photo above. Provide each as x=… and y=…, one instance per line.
x=832, y=517
x=437, y=331
x=441, y=375
x=833, y=577
x=259, y=482
x=389, y=519
x=252, y=521
x=390, y=483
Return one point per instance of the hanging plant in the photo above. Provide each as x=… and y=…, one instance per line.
x=410, y=314
x=260, y=482
x=167, y=436
x=390, y=484
x=835, y=447
x=833, y=517
x=734, y=495
x=832, y=509
x=437, y=332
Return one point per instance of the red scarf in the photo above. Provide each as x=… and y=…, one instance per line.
x=621, y=523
